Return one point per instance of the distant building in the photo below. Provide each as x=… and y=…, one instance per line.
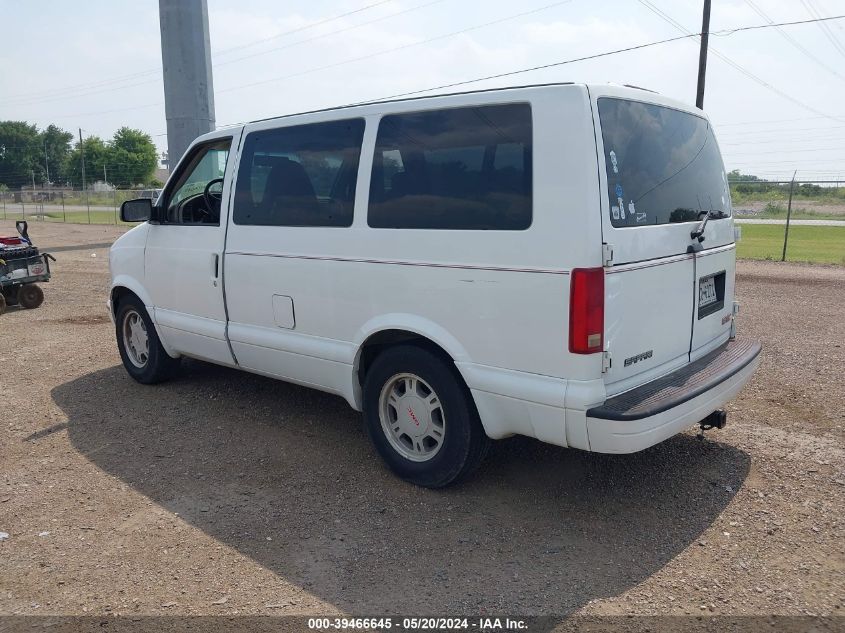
x=100, y=187
x=162, y=174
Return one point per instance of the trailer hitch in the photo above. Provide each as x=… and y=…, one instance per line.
x=716, y=420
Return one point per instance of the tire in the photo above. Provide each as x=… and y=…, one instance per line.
x=421, y=417
x=30, y=296
x=10, y=294
x=2, y=303
x=147, y=363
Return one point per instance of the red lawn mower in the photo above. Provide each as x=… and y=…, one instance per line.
x=21, y=266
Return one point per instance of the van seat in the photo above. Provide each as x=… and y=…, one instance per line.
x=289, y=196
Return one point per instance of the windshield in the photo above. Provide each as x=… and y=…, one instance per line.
x=663, y=165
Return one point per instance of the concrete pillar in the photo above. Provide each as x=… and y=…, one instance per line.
x=188, y=85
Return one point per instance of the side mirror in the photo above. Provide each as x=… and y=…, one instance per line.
x=138, y=210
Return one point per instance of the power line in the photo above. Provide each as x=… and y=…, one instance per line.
x=766, y=122
x=667, y=18
x=723, y=32
x=837, y=148
x=347, y=61
x=302, y=28
x=778, y=131
x=526, y=70
x=399, y=48
x=793, y=41
x=585, y=58
x=330, y=34
x=781, y=141
x=153, y=71
x=824, y=27
x=780, y=162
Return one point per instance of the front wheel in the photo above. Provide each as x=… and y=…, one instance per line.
x=140, y=349
x=421, y=417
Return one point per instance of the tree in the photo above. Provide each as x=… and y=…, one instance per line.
x=132, y=158
x=735, y=176
x=96, y=155
x=19, y=151
x=56, y=143
x=128, y=159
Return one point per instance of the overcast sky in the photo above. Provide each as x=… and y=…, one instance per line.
x=97, y=64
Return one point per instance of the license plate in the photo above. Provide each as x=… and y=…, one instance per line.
x=707, y=292
x=37, y=269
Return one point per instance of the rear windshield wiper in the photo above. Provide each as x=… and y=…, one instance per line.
x=715, y=214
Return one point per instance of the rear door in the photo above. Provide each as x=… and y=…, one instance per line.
x=661, y=174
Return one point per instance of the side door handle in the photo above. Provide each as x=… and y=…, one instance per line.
x=215, y=267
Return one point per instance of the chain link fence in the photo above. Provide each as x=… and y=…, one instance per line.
x=67, y=205
x=801, y=220
x=797, y=220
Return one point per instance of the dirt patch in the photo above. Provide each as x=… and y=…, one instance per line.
x=83, y=319
x=125, y=499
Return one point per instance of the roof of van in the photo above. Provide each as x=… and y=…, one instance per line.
x=407, y=97
x=403, y=99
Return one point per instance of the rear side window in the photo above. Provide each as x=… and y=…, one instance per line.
x=462, y=168
x=663, y=165
x=303, y=175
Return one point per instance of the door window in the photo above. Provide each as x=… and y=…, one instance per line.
x=301, y=175
x=197, y=194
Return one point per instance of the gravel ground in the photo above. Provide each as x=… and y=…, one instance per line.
x=227, y=493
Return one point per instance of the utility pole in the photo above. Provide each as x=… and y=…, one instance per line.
x=46, y=163
x=186, y=65
x=105, y=177
x=788, y=216
x=702, y=55
x=84, y=188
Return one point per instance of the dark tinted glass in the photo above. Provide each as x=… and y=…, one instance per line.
x=463, y=168
x=299, y=176
x=663, y=165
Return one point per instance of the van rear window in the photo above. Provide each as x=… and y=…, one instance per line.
x=461, y=168
x=663, y=165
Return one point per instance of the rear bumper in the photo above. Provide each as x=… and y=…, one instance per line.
x=656, y=411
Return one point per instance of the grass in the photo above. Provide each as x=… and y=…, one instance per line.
x=815, y=244
x=98, y=216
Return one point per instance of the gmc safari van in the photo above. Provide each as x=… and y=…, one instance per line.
x=554, y=261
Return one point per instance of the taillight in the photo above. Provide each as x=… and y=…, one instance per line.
x=586, y=311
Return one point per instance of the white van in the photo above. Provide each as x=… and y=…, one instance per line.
x=554, y=261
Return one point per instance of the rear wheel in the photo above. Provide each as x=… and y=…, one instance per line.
x=421, y=417
x=140, y=348
x=2, y=303
x=30, y=296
